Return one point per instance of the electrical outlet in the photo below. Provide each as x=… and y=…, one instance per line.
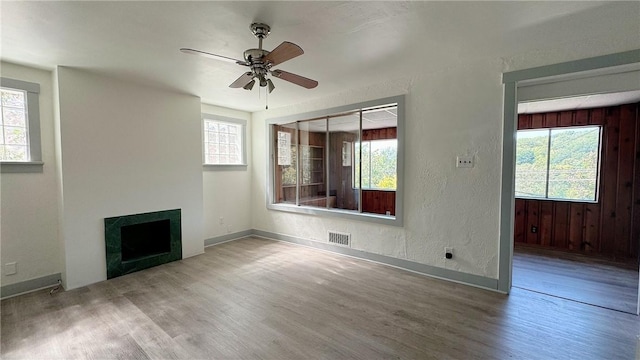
x=221, y=220
x=464, y=161
x=10, y=268
x=534, y=229
x=448, y=253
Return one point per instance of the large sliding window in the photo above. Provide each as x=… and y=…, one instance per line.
x=558, y=163
x=344, y=162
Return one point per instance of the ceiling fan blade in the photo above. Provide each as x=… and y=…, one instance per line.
x=296, y=79
x=242, y=81
x=285, y=51
x=213, y=56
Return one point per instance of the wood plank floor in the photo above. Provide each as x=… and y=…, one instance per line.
x=577, y=277
x=261, y=299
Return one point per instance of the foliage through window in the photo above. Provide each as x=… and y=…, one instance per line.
x=14, y=137
x=379, y=163
x=223, y=142
x=558, y=163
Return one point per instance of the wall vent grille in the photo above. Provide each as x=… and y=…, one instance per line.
x=341, y=239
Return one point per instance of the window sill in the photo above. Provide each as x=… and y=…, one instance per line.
x=226, y=167
x=343, y=214
x=21, y=167
x=559, y=200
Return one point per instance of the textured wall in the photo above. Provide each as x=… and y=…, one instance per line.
x=29, y=205
x=454, y=104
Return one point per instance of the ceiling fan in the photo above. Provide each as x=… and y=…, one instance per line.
x=261, y=61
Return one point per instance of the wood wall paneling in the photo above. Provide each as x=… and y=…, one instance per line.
x=546, y=223
x=609, y=180
x=635, y=207
x=533, y=207
x=520, y=221
x=626, y=155
x=561, y=225
x=609, y=227
x=576, y=222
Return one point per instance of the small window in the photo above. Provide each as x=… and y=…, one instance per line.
x=558, y=164
x=14, y=138
x=19, y=126
x=224, y=141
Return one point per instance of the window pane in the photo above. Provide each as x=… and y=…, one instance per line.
x=573, y=163
x=13, y=98
x=14, y=117
x=344, y=131
x=366, y=164
x=531, y=163
x=220, y=138
x=15, y=153
x=384, y=155
x=15, y=135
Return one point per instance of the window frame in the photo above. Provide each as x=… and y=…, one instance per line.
x=396, y=220
x=32, y=92
x=598, y=165
x=243, y=138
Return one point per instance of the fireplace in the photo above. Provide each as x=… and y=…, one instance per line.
x=140, y=241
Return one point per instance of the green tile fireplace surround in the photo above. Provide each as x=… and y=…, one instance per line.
x=113, y=233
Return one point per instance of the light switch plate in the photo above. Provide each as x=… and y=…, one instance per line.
x=464, y=161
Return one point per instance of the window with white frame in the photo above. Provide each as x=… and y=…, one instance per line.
x=558, y=163
x=224, y=141
x=19, y=125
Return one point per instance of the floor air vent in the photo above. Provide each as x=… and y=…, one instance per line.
x=339, y=238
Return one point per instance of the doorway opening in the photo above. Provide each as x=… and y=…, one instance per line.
x=576, y=226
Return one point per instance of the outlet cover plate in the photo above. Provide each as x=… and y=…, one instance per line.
x=464, y=161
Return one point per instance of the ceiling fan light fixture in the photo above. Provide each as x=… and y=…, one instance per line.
x=261, y=61
x=249, y=85
x=270, y=85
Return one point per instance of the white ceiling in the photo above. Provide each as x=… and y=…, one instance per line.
x=347, y=45
x=579, y=102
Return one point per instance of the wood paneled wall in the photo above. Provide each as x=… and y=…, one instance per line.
x=609, y=227
x=341, y=177
x=379, y=202
x=380, y=134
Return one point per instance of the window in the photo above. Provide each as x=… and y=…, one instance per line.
x=224, y=141
x=379, y=162
x=319, y=161
x=19, y=126
x=559, y=163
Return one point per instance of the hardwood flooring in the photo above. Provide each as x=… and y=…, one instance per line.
x=262, y=299
x=577, y=277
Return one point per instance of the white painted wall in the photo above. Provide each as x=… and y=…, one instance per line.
x=444, y=206
x=126, y=149
x=28, y=205
x=453, y=107
x=227, y=194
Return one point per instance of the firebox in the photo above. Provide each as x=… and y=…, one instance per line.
x=140, y=241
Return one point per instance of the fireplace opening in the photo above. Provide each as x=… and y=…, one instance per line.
x=140, y=241
x=146, y=239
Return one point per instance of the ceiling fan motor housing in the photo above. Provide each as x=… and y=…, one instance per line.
x=260, y=30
